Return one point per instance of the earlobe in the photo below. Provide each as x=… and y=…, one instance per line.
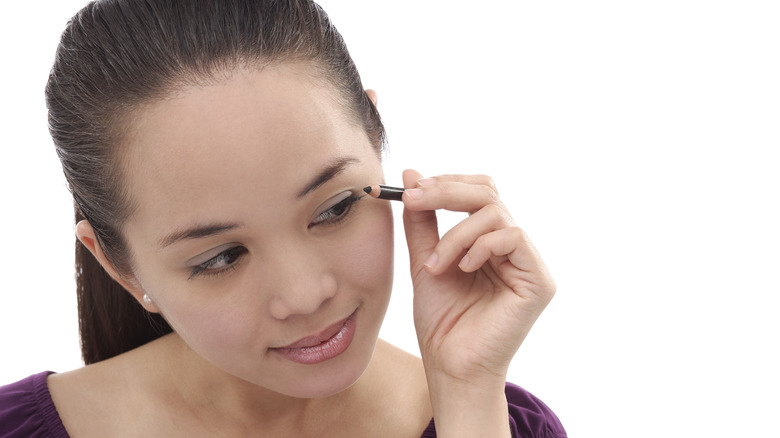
x=372, y=95
x=86, y=235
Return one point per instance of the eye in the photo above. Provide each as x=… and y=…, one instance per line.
x=338, y=211
x=222, y=263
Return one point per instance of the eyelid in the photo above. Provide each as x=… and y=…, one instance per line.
x=330, y=203
x=210, y=254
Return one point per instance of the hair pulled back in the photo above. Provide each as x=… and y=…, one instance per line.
x=115, y=55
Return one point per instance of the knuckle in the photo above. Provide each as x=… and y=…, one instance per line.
x=518, y=234
x=494, y=210
x=492, y=195
x=488, y=181
x=500, y=217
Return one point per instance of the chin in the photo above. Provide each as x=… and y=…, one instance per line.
x=322, y=389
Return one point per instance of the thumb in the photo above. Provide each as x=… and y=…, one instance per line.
x=422, y=231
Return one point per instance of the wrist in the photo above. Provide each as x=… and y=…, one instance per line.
x=464, y=375
x=469, y=409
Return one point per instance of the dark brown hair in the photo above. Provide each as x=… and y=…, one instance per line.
x=117, y=54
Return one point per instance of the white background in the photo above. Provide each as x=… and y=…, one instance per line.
x=636, y=142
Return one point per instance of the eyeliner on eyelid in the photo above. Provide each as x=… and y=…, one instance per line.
x=341, y=197
x=344, y=203
x=210, y=254
x=231, y=254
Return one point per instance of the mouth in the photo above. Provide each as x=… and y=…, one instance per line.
x=323, y=346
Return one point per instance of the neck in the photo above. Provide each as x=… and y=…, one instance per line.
x=213, y=395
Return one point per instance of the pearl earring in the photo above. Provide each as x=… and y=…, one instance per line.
x=147, y=299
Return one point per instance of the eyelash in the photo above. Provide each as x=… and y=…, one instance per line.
x=204, y=269
x=331, y=216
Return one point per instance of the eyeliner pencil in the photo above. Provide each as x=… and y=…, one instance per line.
x=385, y=192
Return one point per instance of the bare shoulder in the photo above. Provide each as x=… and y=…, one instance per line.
x=98, y=399
x=86, y=399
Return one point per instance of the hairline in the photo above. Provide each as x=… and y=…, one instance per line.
x=122, y=124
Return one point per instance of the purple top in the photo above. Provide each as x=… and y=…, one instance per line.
x=27, y=410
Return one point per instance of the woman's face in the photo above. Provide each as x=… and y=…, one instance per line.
x=250, y=232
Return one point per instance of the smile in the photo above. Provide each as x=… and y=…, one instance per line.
x=326, y=345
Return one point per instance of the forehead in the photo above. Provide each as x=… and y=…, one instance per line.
x=209, y=148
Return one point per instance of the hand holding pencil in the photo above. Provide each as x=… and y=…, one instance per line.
x=477, y=291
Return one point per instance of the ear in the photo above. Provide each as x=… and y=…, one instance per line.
x=86, y=236
x=372, y=95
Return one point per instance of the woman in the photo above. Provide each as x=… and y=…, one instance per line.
x=232, y=273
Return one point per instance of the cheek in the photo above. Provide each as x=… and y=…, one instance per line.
x=366, y=255
x=209, y=321
x=214, y=329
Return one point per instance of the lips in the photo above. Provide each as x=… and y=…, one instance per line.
x=323, y=346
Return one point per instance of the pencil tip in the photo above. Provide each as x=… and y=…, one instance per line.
x=367, y=189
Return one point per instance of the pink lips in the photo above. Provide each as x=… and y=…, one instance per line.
x=326, y=345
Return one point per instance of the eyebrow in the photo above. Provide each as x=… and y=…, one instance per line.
x=196, y=232
x=201, y=231
x=328, y=173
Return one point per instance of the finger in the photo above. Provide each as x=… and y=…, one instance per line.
x=514, y=254
x=516, y=262
x=468, y=179
x=421, y=228
x=450, y=195
x=455, y=242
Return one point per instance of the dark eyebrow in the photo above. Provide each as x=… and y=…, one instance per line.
x=328, y=173
x=200, y=231
x=196, y=232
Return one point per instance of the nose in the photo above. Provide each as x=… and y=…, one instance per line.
x=299, y=288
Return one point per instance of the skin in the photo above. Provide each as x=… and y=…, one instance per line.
x=239, y=153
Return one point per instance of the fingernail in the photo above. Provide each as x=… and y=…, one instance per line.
x=425, y=182
x=414, y=193
x=464, y=262
x=432, y=259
